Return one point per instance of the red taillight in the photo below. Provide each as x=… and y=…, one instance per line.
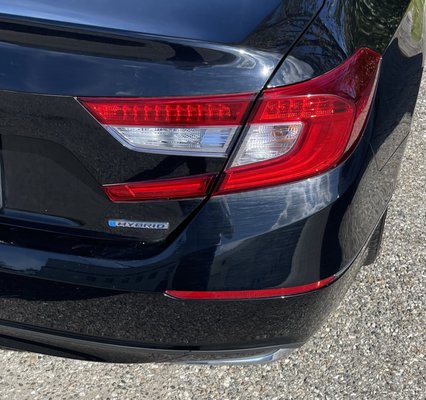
x=192, y=126
x=174, y=112
x=163, y=189
x=293, y=132
x=305, y=129
x=249, y=294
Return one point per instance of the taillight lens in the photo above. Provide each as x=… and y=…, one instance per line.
x=305, y=129
x=162, y=189
x=196, y=126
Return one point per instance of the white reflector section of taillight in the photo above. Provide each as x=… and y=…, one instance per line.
x=208, y=141
x=264, y=142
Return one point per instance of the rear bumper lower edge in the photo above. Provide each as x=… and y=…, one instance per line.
x=13, y=336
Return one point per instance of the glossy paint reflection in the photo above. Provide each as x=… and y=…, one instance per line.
x=64, y=73
x=341, y=28
x=216, y=21
x=146, y=46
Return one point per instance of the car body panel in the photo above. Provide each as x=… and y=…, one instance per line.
x=86, y=283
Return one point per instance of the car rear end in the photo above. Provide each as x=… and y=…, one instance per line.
x=179, y=186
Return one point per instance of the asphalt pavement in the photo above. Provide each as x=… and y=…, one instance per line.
x=373, y=346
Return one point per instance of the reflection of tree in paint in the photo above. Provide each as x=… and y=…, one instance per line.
x=380, y=18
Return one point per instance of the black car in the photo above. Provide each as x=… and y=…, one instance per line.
x=195, y=181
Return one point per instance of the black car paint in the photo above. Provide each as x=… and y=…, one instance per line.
x=246, y=22
x=40, y=56
x=340, y=29
x=97, y=280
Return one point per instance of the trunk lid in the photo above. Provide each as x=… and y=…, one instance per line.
x=56, y=157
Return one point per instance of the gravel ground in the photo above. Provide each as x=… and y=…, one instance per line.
x=373, y=346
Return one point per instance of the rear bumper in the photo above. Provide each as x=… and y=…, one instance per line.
x=115, y=310
x=130, y=327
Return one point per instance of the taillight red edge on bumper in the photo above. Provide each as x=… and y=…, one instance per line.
x=250, y=294
x=292, y=132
